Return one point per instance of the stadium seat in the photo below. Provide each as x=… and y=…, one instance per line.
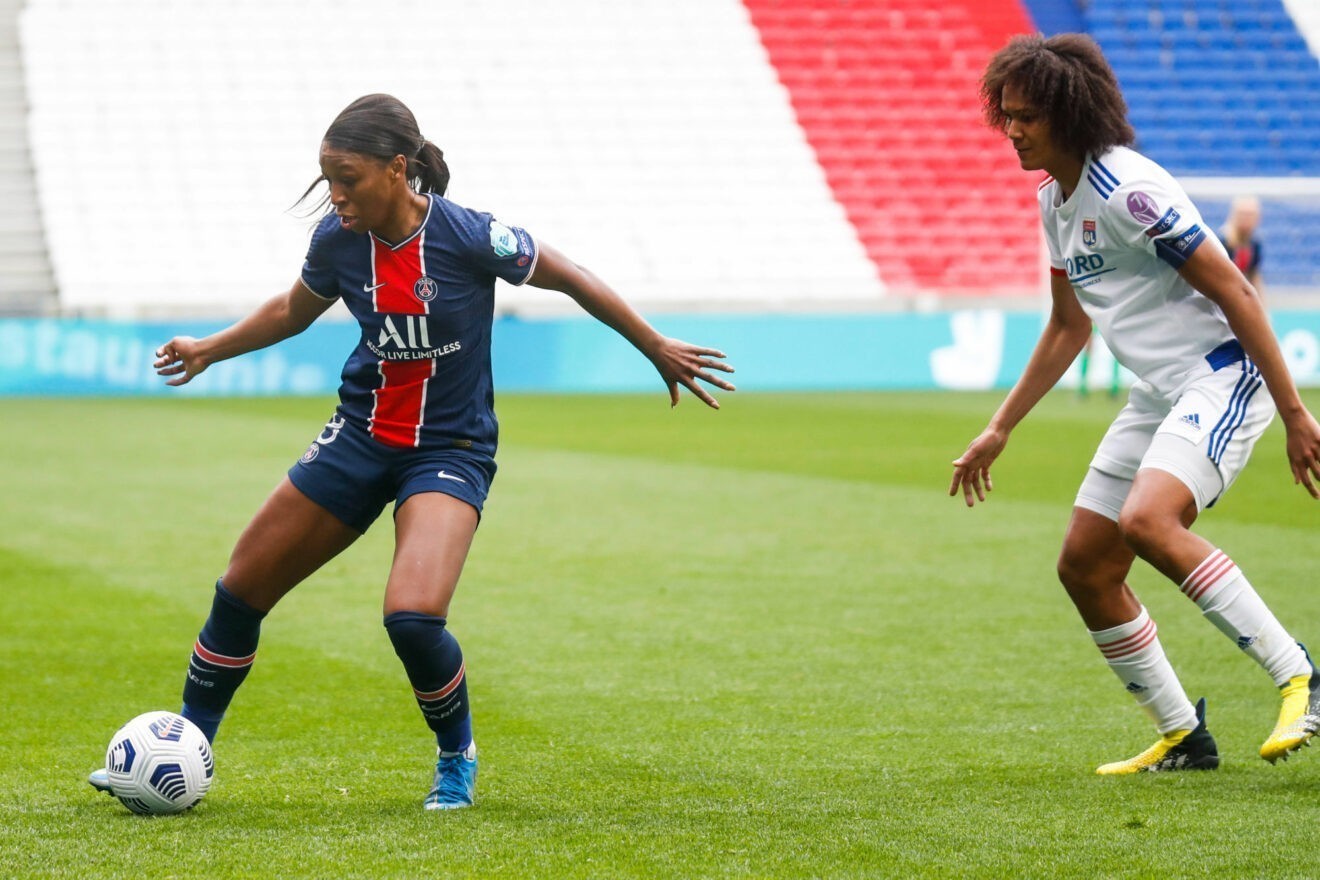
x=1223, y=89
x=891, y=112
x=684, y=184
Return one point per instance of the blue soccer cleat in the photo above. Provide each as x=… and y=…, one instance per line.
x=100, y=780
x=455, y=781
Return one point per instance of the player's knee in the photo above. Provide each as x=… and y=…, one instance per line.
x=1078, y=572
x=415, y=634
x=1144, y=528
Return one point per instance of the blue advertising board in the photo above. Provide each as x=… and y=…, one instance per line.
x=963, y=350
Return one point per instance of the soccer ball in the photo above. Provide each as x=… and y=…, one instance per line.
x=159, y=763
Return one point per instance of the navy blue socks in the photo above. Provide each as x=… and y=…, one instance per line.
x=434, y=664
x=220, y=660
x=431, y=657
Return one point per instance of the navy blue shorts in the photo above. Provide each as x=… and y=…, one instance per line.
x=354, y=477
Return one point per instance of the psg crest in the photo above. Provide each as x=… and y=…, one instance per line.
x=1088, y=232
x=425, y=289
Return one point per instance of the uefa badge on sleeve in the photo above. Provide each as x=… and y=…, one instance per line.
x=1089, y=237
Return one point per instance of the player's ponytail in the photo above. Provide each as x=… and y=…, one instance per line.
x=383, y=127
x=428, y=171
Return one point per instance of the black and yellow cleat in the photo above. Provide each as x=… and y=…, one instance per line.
x=1177, y=750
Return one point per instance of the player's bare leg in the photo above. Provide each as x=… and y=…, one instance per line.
x=433, y=533
x=1093, y=567
x=290, y=537
x=1155, y=522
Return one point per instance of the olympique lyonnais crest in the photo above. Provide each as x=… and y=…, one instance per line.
x=1088, y=232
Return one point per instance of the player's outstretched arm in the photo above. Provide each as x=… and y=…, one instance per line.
x=280, y=317
x=1065, y=334
x=678, y=362
x=1214, y=275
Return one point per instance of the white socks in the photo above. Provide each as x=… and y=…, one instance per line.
x=1228, y=600
x=1134, y=652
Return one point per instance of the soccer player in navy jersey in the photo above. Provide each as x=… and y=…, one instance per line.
x=1129, y=252
x=415, y=423
x=1239, y=238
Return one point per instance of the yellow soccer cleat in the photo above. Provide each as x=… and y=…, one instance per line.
x=1177, y=750
x=1299, y=717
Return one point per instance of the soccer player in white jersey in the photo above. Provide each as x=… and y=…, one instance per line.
x=1129, y=252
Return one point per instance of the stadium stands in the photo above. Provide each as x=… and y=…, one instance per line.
x=725, y=154
x=886, y=92
x=649, y=140
x=1224, y=89
x=27, y=285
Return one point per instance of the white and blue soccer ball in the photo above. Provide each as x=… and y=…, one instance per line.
x=159, y=763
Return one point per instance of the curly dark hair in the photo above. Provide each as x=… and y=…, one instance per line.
x=1068, y=81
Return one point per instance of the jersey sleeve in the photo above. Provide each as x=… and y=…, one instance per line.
x=1043, y=198
x=318, y=274
x=1157, y=218
x=507, y=252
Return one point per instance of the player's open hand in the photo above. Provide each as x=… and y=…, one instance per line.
x=181, y=359
x=681, y=363
x=1304, y=451
x=971, y=470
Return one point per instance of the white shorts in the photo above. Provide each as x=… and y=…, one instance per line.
x=1204, y=438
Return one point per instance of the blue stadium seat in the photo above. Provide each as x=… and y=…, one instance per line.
x=1213, y=86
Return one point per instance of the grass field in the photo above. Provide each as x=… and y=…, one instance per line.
x=754, y=643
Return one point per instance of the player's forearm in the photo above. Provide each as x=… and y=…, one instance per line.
x=273, y=321
x=1249, y=323
x=555, y=271
x=1057, y=348
x=600, y=301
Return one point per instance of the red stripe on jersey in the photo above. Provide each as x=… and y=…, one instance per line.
x=1054, y=270
x=1242, y=258
x=394, y=273
x=1044, y=183
x=400, y=405
x=396, y=417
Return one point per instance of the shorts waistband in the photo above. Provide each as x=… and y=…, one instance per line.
x=1229, y=353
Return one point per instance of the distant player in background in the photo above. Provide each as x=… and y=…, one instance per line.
x=415, y=424
x=1128, y=251
x=1239, y=238
x=1084, y=370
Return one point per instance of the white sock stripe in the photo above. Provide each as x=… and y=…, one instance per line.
x=1129, y=645
x=1215, y=570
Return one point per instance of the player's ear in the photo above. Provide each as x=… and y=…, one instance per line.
x=399, y=166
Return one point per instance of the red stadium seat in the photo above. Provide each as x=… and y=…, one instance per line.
x=886, y=91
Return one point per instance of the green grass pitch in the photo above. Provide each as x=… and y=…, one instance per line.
x=754, y=643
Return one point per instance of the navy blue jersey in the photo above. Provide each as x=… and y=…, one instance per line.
x=420, y=375
x=1246, y=257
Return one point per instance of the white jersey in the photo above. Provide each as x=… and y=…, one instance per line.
x=1119, y=239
